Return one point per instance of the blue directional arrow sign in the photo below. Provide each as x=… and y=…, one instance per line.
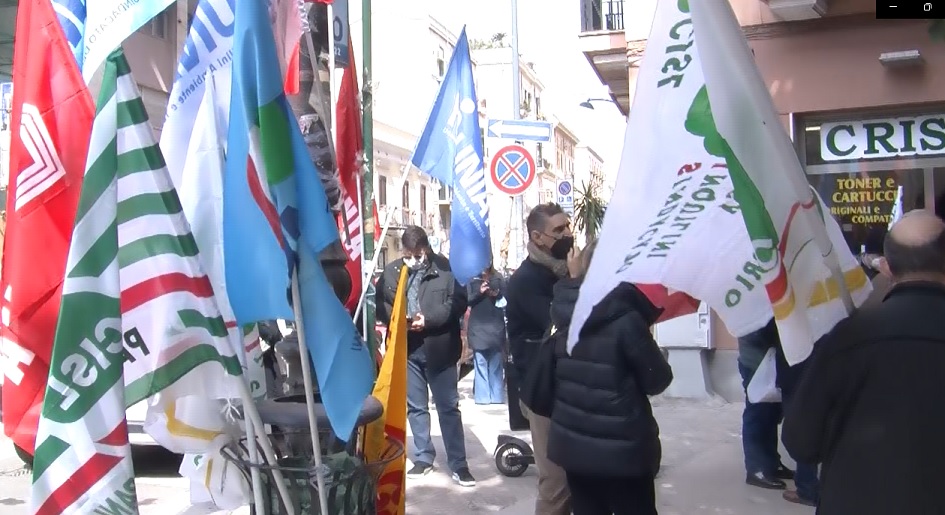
x=521, y=130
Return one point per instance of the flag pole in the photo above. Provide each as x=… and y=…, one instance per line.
x=367, y=131
x=248, y=402
x=309, y=392
x=253, y=419
x=253, y=452
x=365, y=277
x=384, y=229
x=332, y=91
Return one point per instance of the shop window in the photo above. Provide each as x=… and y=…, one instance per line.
x=871, y=170
x=865, y=203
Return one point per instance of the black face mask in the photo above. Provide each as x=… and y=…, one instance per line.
x=562, y=247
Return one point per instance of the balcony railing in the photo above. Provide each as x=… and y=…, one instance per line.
x=599, y=15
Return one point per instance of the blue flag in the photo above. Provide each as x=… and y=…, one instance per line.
x=450, y=150
x=276, y=219
x=71, y=14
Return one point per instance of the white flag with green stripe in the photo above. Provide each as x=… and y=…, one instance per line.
x=138, y=318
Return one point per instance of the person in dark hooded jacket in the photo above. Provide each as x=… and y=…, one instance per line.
x=603, y=433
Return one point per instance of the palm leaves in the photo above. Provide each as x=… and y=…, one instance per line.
x=589, y=211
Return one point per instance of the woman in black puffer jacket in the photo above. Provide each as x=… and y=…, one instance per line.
x=602, y=428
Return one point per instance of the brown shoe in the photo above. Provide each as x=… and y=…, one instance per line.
x=792, y=496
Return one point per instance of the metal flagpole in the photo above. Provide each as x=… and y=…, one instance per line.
x=309, y=394
x=332, y=91
x=384, y=229
x=367, y=127
x=518, y=208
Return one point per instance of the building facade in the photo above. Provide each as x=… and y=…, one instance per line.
x=406, y=78
x=495, y=82
x=863, y=99
x=566, y=142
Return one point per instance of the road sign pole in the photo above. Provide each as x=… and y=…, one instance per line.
x=518, y=207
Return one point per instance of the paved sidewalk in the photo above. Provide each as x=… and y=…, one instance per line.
x=702, y=470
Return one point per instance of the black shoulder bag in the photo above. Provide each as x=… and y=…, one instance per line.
x=538, y=388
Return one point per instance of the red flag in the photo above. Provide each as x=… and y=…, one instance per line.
x=675, y=304
x=349, y=148
x=287, y=28
x=293, y=73
x=377, y=223
x=51, y=121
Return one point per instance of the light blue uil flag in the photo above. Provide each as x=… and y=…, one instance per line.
x=109, y=22
x=450, y=150
x=71, y=14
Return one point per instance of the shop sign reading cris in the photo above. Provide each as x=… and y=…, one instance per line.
x=883, y=138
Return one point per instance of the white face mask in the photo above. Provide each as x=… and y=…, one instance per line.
x=415, y=263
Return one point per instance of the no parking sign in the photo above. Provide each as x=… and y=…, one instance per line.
x=512, y=170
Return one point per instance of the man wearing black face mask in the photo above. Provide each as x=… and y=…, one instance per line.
x=435, y=307
x=528, y=313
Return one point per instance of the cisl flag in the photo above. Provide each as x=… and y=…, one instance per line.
x=689, y=184
x=138, y=321
x=51, y=120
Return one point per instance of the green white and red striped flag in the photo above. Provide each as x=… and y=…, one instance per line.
x=138, y=318
x=713, y=202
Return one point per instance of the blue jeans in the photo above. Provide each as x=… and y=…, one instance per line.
x=489, y=383
x=420, y=382
x=759, y=432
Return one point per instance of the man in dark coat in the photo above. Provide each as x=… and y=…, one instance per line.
x=435, y=306
x=528, y=314
x=869, y=405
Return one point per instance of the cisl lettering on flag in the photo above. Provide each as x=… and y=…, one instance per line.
x=80, y=370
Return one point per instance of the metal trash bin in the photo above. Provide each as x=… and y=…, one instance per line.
x=351, y=483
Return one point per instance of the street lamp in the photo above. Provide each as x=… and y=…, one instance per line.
x=588, y=105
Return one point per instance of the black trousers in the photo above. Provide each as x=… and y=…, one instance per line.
x=601, y=495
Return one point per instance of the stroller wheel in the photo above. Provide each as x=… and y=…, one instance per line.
x=502, y=455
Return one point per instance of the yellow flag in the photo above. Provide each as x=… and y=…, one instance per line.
x=391, y=390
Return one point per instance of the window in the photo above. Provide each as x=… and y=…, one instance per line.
x=406, y=192
x=444, y=192
x=537, y=106
x=538, y=154
x=423, y=204
x=864, y=194
x=381, y=193
x=157, y=27
x=440, y=62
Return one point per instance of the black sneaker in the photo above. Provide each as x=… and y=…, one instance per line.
x=464, y=478
x=419, y=469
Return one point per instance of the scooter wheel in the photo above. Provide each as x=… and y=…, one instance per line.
x=502, y=455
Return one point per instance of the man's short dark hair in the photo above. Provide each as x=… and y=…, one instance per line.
x=925, y=258
x=415, y=238
x=538, y=218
